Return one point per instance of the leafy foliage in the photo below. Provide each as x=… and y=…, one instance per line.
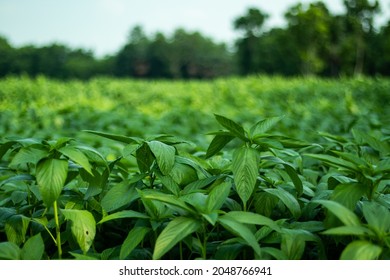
x=254, y=192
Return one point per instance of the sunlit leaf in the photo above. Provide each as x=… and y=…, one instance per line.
x=51, y=176
x=245, y=171
x=33, y=249
x=175, y=231
x=361, y=250
x=134, y=237
x=165, y=155
x=83, y=227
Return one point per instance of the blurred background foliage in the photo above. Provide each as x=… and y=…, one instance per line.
x=314, y=42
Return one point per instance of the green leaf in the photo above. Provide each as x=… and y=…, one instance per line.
x=166, y=198
x=236, y=129
x=51, y=176
x=293, y=244
x=135, y=236
x=175, y=231
x=240, y=230
x=361, y=250
x=16, y=228
x=265, y=203
x=377, y=217
x=9, y=251
x=344, y=214
x=124, y=214
x=288, y=199
x=217, y=144
x=83, y=227
x=335, y=162
x=252, y=218
x=119, y=195
x=292, y=173
x=263, y=126
x=164, y=154
x=144, y=158
x=77, y=156
x=217, y=196
x=376, y=144
x=34, y=248
x=183, y=174
x=350, y=230
x=245, y=171
x=119, y=138
x=29, y=154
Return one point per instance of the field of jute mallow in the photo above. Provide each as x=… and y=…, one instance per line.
x=234, y=168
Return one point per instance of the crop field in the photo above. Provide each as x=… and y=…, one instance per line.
x=232, y=168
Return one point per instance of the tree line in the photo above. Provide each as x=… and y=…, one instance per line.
x=314, y=42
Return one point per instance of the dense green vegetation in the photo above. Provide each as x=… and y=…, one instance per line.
x=238, y=168
x=314, y=42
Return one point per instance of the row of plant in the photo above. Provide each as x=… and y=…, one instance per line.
x=252, y=194
x=53, y=109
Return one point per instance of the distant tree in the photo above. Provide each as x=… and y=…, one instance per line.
x=248, y=47
x=132, y=59
x=278, y=54
x=310, y=30
x=359, y=20
x=6, y=57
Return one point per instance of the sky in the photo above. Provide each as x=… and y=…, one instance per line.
x=102, y=26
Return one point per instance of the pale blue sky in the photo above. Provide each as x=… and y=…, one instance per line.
x=103, y=25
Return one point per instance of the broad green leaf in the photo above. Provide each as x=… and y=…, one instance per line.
x=263, y=126
x=348, y=194
x=144, y=158
x=345, y=215
x=119, y=195
x=245, y=171
x=361, y=250
x=252, y=218
x=350, y=230
x=240, y=230
x=175, y=231
x=288, y=199
x=77, y=156
x=124, y=214
x=364, y=138
x=377, y=217
x=217, y=144
x=164, y=154
x=16, y=228
x=236, y=129
x=51, y=176
x=383, y=166
x=34, y=248
x=134, y=237
x=28, y=154
x=119, y=138
x=9, y=251
x=183, y=174
x=335, y=162
x=293, y=244
x=168, y=182
x=168, y=199
x=265, y=203
x=217, y=196
x=292, y=173
x=83, y=227
x=276, y=253
x=212, y=217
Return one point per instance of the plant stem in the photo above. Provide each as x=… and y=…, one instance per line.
x=58, y=232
